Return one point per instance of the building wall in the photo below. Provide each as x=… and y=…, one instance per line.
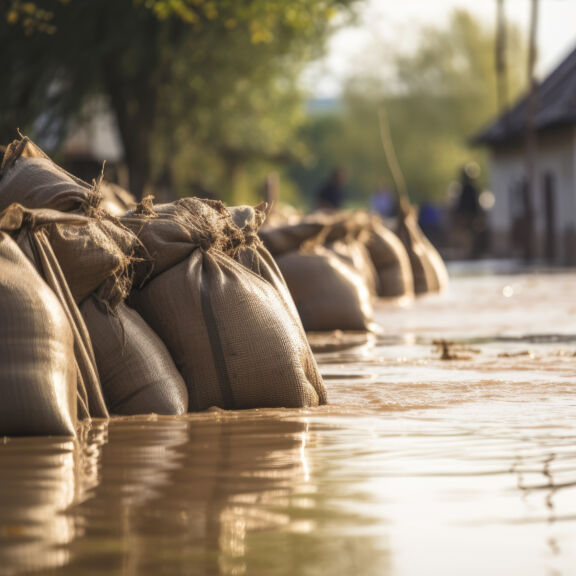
x=557, y=159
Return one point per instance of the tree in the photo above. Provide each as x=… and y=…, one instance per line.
x=173, y=71
x=436, y=97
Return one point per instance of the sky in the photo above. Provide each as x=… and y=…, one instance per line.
x=397, y=21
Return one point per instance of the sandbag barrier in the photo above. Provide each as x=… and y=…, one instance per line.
x=371, y=260
x=176, y=307
x=227, y=335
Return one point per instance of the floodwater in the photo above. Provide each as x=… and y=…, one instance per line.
x=455, y=458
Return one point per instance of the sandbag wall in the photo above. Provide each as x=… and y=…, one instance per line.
x=335, y=263
x=170, y=308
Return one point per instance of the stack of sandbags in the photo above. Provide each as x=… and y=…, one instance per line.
x=93, y=254
x=233, y=337
x=428, y=268
x=330, y=289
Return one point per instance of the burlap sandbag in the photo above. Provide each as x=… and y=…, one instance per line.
x=29, y=229
x=391, y=261
x=137, y=373
x=329, y=294
x=88, y=255
x=28, y=177
x=289, y=238
x=355, y=254
x=231, y=334
x=428, y=268
x=92, y=253
x=37, y=368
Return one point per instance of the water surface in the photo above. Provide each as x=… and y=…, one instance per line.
x=419, y=465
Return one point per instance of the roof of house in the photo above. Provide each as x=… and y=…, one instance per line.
x=556, y=106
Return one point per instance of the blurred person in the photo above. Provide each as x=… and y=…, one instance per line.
x=470, y=219
x=332, y=193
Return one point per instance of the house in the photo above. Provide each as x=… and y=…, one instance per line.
x=543, y=217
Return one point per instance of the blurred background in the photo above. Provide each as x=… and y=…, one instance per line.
x=226, y=99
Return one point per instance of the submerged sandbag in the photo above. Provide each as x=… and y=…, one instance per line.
x=137, y=373
x=329, y=294
x=428, y=268
x=232, y=336
x=390, y=260
x=30, y=228
x=37, y=367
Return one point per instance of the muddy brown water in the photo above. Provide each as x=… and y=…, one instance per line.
x=420, y=465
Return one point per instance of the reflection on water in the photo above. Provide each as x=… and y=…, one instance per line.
x=420, y=465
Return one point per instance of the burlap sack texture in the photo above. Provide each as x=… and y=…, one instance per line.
x=329, y=294
x=390, y=259
x=234, y=340
x=252, y=254
x=344, y=234
x=137, y=373
x=428, y=268
x=37, y=367
x=329, y=287
x=88, y=255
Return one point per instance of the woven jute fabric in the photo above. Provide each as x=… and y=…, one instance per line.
x=290, y=237
x=137, y=373
x=232, y=330
x=29, y=177
x=390, y=260
x=428, y=268
x=254, y=255
x=30, y=228
x=37, y=365
x=329, y=294
x=230, y=334
x=355, y=254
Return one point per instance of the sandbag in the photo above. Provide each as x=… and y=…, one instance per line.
x=232, y=336
x=37, y=367
x=289, y=238
x=28, y=177
x=137, y=373
x=328, y=293
x=391, y=261
x=89, y=254
x=354, y=253
x=428, y=268
x=29, y=229
x=92, y=253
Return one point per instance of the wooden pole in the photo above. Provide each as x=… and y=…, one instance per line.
x=531, y=137
x=393, y=164
x=500, y=58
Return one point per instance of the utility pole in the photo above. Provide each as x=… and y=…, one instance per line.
x=500, y=58
x=531, y=137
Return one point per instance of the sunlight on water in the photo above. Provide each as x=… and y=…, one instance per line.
x=449, y=447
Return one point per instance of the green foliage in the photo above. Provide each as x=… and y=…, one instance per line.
x=436, y=97
x=200, y=89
